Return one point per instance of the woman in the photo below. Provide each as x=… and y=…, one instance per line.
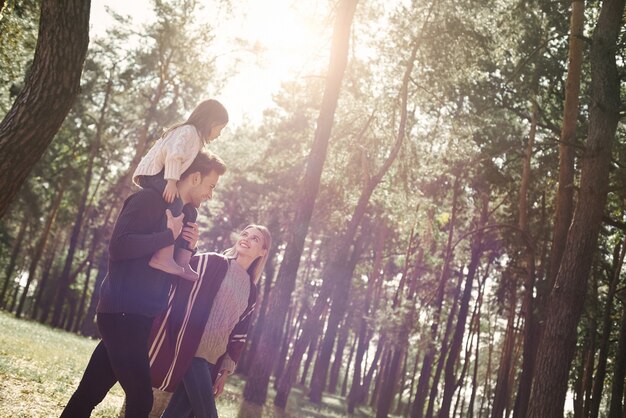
x=196, y=342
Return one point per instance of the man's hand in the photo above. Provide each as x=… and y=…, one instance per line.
x=171, y=191
x=218, y=387
x=191, y=234
x=174, y=223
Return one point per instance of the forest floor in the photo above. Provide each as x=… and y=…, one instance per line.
x=40, y=367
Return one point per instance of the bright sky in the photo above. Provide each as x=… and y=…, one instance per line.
x=287, y=31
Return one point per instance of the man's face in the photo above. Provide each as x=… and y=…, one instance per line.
x=203, y=191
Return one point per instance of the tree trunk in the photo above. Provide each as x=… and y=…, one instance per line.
x=88, y=326
x=344, y=385
x=557, y=347
x=41, y=244
x=565, y=191
x=65, y=282
x=48, y=94
x=75, y=326
x=255, y=390
x=417, y=410
x=388, y=381
x=354, y=396
x=43, y=281
x=443, y=349
x=451, y=383
x=528, y=303
x=477, y=326
x=619, y=371
x=337, y=362
x=311, y=353
x=17, y=246
x=502, y=392
x=607, y=326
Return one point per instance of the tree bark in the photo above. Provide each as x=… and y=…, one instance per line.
x=88, y=326
x=503, y=390
x=344, y=384
x=557, y=347
x=17, y=246
x=43, y=239
x=417, y=410
x=65, y=282
x=364, y=335
x=255, y=390
x=531, y=330
x=607, y=326
x=619, y=371
x=338, y=361
x=565, y=191
x=450, y=383
x=48, y=94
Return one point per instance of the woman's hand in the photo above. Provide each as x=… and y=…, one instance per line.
x=191, y=234
x=218, y=387
x=171, y=191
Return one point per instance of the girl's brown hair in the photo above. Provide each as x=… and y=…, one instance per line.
x=205, y=116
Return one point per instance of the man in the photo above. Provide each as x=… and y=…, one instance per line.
x=133, y=293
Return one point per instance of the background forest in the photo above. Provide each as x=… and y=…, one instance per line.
x=445, y=188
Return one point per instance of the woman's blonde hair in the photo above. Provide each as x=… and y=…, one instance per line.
x=258, y=265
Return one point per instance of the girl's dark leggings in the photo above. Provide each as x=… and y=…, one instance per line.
x=121, y=356
x=158, y=183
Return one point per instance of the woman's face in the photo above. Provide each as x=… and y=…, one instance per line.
x=250, y=243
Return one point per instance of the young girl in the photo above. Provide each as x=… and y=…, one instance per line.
x=161, y=167
x=196, y=342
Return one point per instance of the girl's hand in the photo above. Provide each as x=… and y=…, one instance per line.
x=191, y=234
x=218, y=387
x=171, y=191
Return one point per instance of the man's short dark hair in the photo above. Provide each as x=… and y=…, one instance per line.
x=205, y=163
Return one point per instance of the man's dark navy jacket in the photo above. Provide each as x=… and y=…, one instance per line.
x=131, y=286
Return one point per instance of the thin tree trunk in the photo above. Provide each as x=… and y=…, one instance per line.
x=94, y=149
x=531, y=325
x=565, y=191
x=619, y=371
x=451, y=384
x=75, y=326
x=558, y=344
x=417, y=410
x=344, y=385
x=255, y=390
x=502, y=392
x=17, y=246
x=309, y=358
x=579, y=395
x=487, y=386
x=49, y=92
x=88, y=326
x=607, y=326
x=355, y=396
x=41, y=244
x=443, y=350
x=43, y=281
x=337, y=362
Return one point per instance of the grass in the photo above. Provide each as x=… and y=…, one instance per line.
x=40, y=367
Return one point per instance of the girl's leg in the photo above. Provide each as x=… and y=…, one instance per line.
x=164, y=258
x=194, y=393
x=183, y=253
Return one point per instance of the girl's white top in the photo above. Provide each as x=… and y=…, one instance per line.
x=173, y=152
